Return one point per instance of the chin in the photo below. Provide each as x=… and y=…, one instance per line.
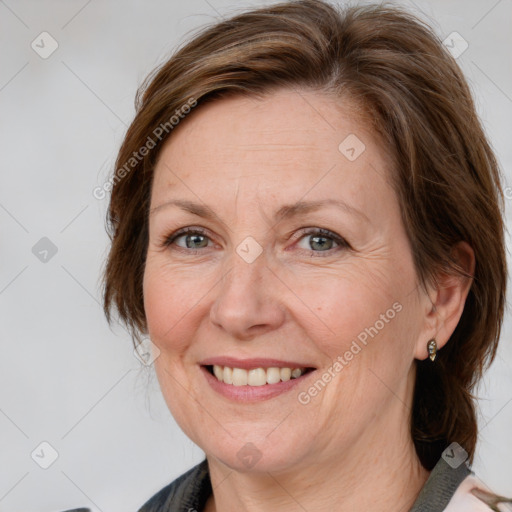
x=256, y=457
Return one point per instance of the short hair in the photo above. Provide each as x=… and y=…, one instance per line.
x=410, y=90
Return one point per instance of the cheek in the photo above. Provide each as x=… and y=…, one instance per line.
x=171, y=300
x=371, y=326
x=335, y=307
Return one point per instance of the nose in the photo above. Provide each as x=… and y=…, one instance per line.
x=248, y=302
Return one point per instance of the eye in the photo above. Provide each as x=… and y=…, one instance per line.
x=193, y=239
x=321, y=240
x=188, y=238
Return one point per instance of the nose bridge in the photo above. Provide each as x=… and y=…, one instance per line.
x=241, y=285
x=244, y=299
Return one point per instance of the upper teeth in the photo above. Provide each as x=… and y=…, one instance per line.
x=255, y=376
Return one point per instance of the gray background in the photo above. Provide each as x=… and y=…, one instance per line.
x=65, y=377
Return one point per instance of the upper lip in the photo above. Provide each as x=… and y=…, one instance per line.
x=248, y=364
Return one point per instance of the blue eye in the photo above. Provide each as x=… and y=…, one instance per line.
x=195, y=238
x=322, y=240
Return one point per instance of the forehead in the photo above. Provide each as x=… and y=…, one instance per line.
x=284, y=143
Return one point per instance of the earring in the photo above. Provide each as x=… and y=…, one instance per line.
x=432, y=349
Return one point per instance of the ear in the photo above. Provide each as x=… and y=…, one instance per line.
x=445, y=301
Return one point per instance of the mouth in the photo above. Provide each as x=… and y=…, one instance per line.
x=256, y=377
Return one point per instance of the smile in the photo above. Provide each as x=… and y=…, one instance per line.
x=255, y=376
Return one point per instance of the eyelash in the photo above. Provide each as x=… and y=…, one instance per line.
x=324, y=233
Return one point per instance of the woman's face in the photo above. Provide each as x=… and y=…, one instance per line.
x=296, y=258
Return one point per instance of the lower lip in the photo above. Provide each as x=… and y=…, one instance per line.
x=251, y=393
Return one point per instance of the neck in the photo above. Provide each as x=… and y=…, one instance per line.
x=380, y=471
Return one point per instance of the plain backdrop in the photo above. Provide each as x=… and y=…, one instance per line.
x=66, y=378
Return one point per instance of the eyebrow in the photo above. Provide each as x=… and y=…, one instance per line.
x=285, y=212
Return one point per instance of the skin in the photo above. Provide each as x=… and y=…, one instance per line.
x=349, y=448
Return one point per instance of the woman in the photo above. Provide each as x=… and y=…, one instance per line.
x=305, y=220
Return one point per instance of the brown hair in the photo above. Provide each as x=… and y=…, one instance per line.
x=445, y=174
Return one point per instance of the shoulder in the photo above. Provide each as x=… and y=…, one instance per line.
x=188, y=491
x=473, y=495
x=455, y=488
